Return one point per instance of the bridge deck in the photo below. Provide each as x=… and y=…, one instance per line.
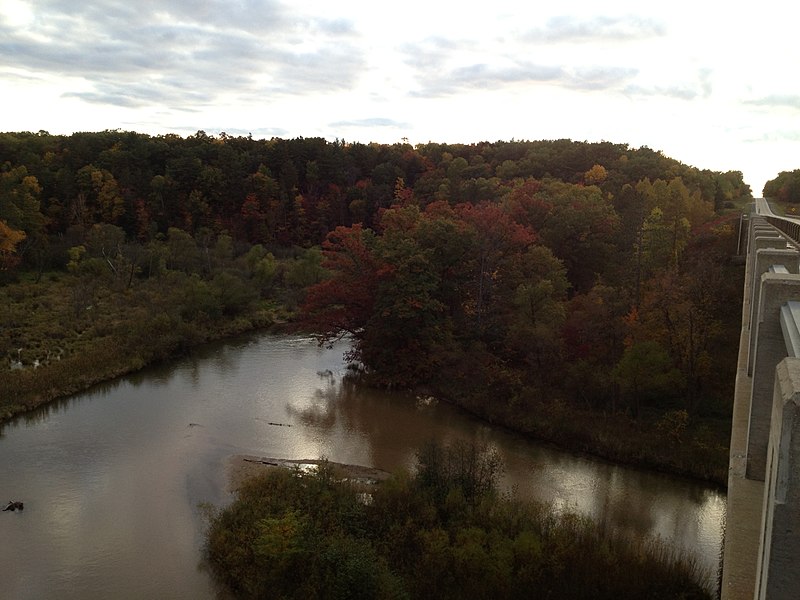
x=743, y=522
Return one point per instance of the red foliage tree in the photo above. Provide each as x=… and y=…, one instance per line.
x=343, y=304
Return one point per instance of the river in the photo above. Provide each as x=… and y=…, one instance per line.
x=115, y=480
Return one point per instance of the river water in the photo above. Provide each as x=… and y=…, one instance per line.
x=114, y=480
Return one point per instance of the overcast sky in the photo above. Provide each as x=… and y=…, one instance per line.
x=715, y=85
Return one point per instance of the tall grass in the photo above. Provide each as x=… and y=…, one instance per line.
x=122, y=332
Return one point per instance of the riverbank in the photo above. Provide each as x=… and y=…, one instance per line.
x=128, y=330
x=612, y=437
x=28, y=389
x=54, y=351
x=696, y=449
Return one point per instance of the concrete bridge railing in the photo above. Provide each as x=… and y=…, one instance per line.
x=762, y=538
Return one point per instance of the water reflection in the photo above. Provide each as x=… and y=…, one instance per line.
x=112, y=479
x=633, y=502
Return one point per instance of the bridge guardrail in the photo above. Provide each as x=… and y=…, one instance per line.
x=765, y=489
x=790, y=324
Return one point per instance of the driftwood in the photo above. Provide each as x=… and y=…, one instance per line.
x=273, y=423
x=14, y=505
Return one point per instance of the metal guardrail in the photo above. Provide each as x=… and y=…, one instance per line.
x=790, y=227
x=790, y=325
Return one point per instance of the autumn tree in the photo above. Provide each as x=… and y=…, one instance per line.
x=9, y=238
x=20, y=206
x=496, y=237
x=683, y=312
x=183, y=253
x=99, y=194
x=343, y=304
x=593, y=335
x=527, y=206
x=535, y=288
x=580, y=230
x=675, y=211
x=645, y=373
x=785, y=187
x=408, y=317
x=596, y=175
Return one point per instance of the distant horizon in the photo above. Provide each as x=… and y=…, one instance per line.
x=689, y=80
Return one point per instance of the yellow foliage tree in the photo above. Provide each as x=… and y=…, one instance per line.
x=9, y=238
x=596, y=175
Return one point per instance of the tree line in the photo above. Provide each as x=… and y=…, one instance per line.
x=283, y=192
x=785, y=187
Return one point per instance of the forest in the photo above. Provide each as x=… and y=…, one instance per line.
x=580, y=292
x=785, y=188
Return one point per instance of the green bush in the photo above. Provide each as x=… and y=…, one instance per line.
x=293, y=535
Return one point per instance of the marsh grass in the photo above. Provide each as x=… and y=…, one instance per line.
x=115, y=332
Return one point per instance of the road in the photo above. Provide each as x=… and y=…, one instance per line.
x=763, y=209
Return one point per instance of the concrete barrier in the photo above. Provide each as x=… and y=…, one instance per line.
x=760, y=557
x=764, y=259
x=770, y=349
x=771, y=240
x=778, y=572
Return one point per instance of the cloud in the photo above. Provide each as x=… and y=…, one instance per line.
x=700, y=87
x=482, y=76
x=171, y=92
x=340, y=27
x=489, y=77
x=599, y=78
x=8, y=75
x=790, y=135
x=777, y=101
x=678, y=92
x=332, y=68
x=432, y=53
x=183, y=52
x=372, y=122
x=108, y=98
x=593, y=29
x=117, y=16
x=443, y=67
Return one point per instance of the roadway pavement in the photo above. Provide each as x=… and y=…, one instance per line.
x=763, y=208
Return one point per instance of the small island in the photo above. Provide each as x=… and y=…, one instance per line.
x=307, y=529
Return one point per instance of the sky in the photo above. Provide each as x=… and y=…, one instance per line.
x=714, y=85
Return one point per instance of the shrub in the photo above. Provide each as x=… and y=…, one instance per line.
x=293, y=536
